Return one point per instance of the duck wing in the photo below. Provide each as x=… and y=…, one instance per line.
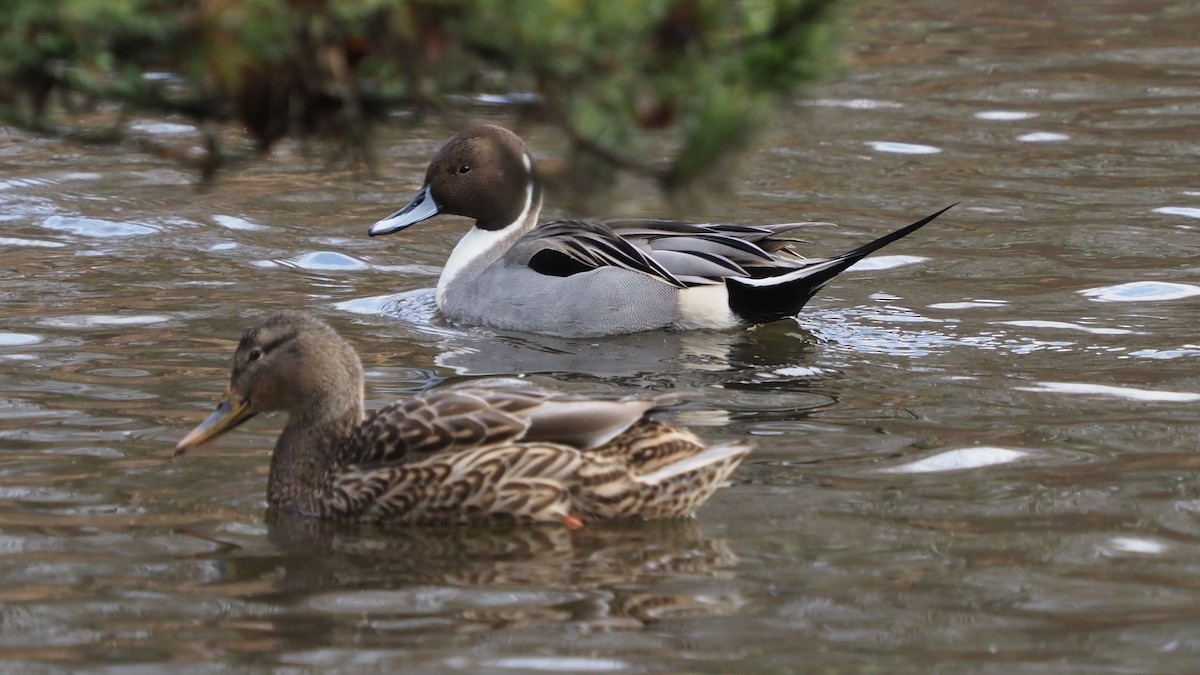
x=562, y=248
x=483, y=414
x=524, y=483
x=679, y=253
x=650, y=477
x=715, y=251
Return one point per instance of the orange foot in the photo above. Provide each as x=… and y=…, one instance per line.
x=572, y=523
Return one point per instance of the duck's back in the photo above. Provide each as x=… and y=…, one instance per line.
x=480, y=414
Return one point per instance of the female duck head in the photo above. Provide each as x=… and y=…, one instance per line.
x=290, y=362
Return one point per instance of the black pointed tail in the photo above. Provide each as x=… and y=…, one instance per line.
x=769, y=299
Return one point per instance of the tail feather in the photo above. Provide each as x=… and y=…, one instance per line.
x=722, y=458
x=771, y=298
x=679, y=488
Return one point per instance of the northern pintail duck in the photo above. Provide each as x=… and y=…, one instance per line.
x=579, y=278
x=473, y=453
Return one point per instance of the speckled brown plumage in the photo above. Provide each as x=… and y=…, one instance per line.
x=479, y=452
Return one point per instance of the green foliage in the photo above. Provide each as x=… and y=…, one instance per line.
x=622, y=78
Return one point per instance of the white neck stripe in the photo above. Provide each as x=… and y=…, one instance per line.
x=478, y=242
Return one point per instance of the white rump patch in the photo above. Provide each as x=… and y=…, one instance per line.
x=705, y=307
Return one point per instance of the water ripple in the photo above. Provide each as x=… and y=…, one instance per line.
x=1005, y=115
x=1043, y=137
x=1068, y=326
x=1166, y=354
x=95, y=227
x=379, y=304
x=1141, y=291
x=961, y=459
x=968, y=304
x=162, y=128
x=31, y=243
x=885, y=262
x=1186, y=211
x=1136, y=545
x=903, y=148
x=433, y=600
x=326, y=261
x=1130, y=393
x=514, y=97
x=18, y=339
x=553, y=664
x=96, y=320
x=235, y=223
x=853, y=104
x=878, y=330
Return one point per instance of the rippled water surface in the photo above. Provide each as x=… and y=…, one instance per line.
x=976, y=452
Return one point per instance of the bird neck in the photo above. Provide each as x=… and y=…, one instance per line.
x=486, y=242
x=310, y=450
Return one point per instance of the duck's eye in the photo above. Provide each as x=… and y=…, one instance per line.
x=254, y=355
x=465, y=168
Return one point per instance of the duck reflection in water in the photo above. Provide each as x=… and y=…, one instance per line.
x=608, y=574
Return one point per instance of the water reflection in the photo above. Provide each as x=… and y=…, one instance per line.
x=661, y=352
x=483, y=352
x=611, y=572
x=1052, y=315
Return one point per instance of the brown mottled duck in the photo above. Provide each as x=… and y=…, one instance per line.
x=472, y=453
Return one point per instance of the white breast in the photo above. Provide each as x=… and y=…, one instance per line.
x=478, y=243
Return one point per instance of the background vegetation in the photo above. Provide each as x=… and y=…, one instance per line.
x=623, y=79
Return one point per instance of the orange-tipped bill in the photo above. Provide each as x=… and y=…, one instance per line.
x=229, y=414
